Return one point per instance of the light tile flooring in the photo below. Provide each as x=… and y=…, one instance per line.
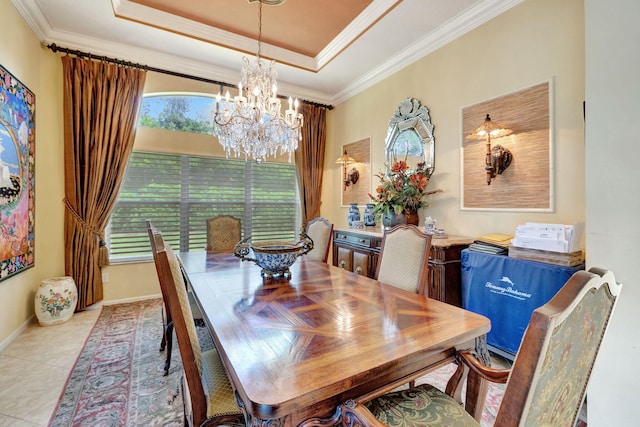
x=34, y=368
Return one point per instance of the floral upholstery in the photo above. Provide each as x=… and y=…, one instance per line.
x=223, y=232
x=570, y=349
x=423, y=405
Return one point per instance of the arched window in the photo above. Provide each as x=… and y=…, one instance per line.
x=185, y=112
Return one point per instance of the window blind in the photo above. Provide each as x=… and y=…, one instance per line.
x=179, y=192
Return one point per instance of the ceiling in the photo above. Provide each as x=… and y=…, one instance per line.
x=325, y=50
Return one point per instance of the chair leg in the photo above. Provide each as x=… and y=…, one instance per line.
x=163, y=343
x=412, y=384
x=168, y=335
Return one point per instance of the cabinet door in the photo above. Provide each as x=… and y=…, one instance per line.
x=361, y=263
x=344, y=258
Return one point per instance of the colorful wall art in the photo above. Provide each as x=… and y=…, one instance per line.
x=17, y=171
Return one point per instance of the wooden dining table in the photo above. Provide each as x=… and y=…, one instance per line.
x=296, y=349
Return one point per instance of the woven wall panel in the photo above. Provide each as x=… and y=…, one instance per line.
x=527, y=183
x=358, y=192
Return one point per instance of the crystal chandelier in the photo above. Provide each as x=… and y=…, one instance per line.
x=252, y=124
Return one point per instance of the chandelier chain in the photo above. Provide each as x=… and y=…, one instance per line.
x=259, y=29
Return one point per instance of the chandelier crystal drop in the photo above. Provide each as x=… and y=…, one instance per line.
x=251, y=124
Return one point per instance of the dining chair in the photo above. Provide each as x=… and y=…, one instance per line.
x=546, y=385
x=320, y=231
x=223, y=232
x=404, y=257
x=167, y=323
x=208, y=396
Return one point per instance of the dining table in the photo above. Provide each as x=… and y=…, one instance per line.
x=296, y=348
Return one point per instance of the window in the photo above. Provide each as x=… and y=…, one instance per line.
x=179, y=192
x=185, y=112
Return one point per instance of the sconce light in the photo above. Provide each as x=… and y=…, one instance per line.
x=497, y=158
x=353, y=175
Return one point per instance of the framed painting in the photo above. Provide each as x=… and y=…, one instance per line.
x=17, y=169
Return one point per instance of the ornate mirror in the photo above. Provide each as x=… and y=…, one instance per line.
x=410, y=136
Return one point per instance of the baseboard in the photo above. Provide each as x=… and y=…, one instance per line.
x=126, y=300
x=4, y=344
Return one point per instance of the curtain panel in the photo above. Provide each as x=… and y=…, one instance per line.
x=101, y=104
x=310, y=160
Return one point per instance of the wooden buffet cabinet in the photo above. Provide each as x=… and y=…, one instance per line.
x=358, y=251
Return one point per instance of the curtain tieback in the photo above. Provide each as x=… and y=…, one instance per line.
x=80, y=220
x=103, y=253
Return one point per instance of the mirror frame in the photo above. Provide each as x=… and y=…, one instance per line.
x=411, y=116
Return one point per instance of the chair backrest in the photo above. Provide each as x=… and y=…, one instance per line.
x=549, y=378
x=223, y=232
x=320, y=230
x=172, y=282
x=404, y=257
x=152, y=231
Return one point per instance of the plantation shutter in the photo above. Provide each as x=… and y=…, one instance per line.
x=179, y=192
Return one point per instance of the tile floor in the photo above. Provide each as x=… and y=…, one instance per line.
x=34, y=368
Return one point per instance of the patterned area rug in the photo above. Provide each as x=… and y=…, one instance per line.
x=118, y=377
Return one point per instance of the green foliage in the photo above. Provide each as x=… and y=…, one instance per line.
x=178, y=113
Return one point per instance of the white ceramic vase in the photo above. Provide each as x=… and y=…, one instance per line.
x=56, y=300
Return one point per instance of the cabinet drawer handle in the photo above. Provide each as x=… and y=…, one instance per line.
x=358, y=270
x=342, y=263
x=363, y=241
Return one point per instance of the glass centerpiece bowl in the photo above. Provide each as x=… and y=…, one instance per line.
x=275, y=258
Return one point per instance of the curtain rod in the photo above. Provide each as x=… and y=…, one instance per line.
x=56, y=48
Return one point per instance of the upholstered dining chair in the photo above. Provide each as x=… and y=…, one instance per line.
x=167, y=323
x=546, y=385
x=320, y=230
x=223, y=232
x=208, y=396
x=404, y=257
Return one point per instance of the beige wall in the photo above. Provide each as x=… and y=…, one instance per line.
x=613, y=202
x=529, y=44
x=41, y=71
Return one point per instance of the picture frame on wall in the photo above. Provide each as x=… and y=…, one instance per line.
x=526, y=182
x=356, y=175
x=17, y=175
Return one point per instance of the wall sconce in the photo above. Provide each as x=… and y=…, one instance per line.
x=497, y=158
x=353, y=175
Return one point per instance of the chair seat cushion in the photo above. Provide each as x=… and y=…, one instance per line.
x=423, y=405
x=220, y=396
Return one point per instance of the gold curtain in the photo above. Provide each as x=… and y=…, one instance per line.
x=101, y=103
x=310, y=160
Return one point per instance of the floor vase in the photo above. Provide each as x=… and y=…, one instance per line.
x=56, y=300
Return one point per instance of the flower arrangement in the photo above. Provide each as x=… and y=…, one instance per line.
x=402, y=189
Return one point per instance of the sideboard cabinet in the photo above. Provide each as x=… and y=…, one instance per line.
x=358, y=251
